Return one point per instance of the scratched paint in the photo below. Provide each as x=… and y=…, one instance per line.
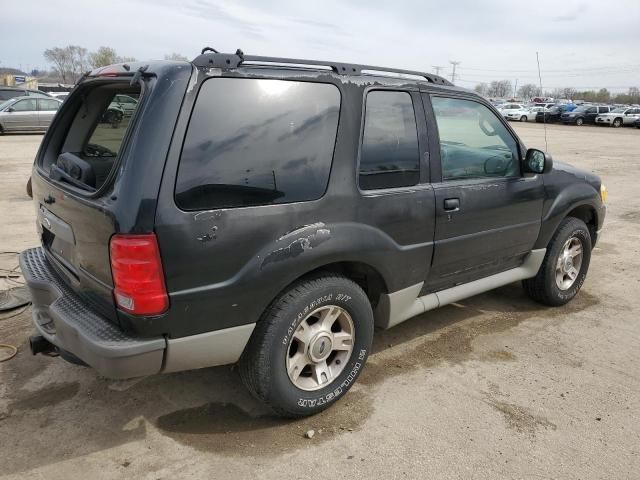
x=298, y=246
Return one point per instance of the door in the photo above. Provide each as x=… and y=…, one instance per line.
x=488, y=214
x=631, y=115
x=591, y=114
x=24, y=115
x=47, y=109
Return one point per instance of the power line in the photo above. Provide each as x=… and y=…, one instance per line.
x=567, y=70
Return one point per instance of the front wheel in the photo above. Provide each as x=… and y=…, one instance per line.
x=565, y=265
x=310, y=346
x=579, y=122
x=523, y=118
x=617, y=123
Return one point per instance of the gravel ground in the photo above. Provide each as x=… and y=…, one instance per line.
x=494, y=387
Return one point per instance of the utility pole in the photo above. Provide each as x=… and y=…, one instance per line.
x=453, y=73
x=515, y=89
x=437, y=68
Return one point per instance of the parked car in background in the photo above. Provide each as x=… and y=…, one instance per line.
x=507, y=107
x=544, y=104
x=7, y=93
x=59, y=95
x=125, y=103
x=584, y=114
x=637, y=123
x=27, y=114
x=551, y=115
x=527, y=114
x=618, y=117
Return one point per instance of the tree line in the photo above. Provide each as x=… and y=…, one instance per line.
x=504, y=89
x=71, y=62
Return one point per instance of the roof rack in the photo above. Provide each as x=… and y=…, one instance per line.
x=211, y=58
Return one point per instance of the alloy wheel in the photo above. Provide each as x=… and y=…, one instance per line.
x=320, y=347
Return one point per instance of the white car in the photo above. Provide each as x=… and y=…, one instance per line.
x=526, y=114
x=507, y=107
x=619, y=116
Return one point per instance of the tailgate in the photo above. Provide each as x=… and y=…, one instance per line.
x=75, y=236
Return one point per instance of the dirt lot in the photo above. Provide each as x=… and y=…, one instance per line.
x=494, y=387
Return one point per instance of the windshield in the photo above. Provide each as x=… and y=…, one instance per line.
x=619, y=110
x=581, y=109
x=5, y=104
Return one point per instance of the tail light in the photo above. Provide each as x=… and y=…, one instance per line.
x=138, y=278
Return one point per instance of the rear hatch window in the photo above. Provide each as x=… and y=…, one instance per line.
x=95, y=136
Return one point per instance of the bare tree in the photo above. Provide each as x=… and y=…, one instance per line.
x=107, y=56
x=500, y=88
x=528, y=90
x=61, y=60
x=69, y=62
x=482, y=89
x=569, y=93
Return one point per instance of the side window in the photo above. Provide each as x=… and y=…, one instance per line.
x=390, y=156
x=257, y=142
x=26, y=105
x=473, y=141
x=48, y=105
x=592, y=110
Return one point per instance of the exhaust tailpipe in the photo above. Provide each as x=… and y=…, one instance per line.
x=39, y=344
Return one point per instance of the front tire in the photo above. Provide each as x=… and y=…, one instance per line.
x=579, y=122
x=523, y=118
x=617, y=123
x=565, y=265
x=310, y=346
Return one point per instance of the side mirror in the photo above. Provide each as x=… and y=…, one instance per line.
x=537, y=161
x=9, y=109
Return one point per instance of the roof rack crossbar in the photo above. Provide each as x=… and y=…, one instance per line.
x=229, y=61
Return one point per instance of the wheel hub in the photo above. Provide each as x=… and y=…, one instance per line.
x=321, y=347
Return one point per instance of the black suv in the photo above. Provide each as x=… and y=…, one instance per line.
x=584, y=114
x=551, y=115
x=273, y=211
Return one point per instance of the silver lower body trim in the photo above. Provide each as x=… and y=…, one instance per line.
x=396, y=307
x=208, y=349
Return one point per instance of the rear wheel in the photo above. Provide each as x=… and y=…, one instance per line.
x=310, y=346
x=565, y=265
x=617, y=123
x=579, y=122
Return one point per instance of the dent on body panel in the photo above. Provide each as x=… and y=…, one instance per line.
x=300, y=240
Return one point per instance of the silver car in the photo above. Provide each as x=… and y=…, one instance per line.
x=619, y=116
x=27, y=114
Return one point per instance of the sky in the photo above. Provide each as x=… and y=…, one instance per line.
x=586, y=44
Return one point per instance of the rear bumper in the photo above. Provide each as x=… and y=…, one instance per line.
x=67, y=322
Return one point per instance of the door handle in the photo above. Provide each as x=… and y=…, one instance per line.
x=452, y=204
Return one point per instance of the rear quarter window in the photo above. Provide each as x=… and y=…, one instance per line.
x=257, y=142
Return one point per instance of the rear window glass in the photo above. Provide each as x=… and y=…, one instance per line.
x=257, y=142
x=95, y=136
x=390, y=156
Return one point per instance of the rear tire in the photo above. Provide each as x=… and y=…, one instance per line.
x=299, y=360
x=560, y=277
